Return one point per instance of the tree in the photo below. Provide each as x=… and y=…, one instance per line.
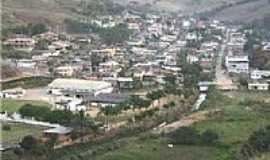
x=185, y=135
x=26, y=110
x=37, y=28
x=243, y=81
x=30, y=29
x=114, y=35
x=51, y=142
x=6, y=127
x=32, y=148
x=209, y=137
x=192, y=74
x=110, y=110
x=155, y=95
x=42, y=45
x=258, y=142
x=182, y=57
x=137, y=102
x=28, y=143
x=38, y=112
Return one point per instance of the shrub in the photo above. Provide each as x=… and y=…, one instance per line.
x=6, y=127
x=185, y=135
x=209, y=137
x=258, y=142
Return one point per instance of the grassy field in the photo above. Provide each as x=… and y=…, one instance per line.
x=18, y=131
x=157, y=149
x=234, y=124
x=12, y=106
x=249, y=95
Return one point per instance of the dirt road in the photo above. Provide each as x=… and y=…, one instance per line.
x=223, y=80
x=184, y=122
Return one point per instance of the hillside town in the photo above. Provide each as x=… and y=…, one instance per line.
x=98, y=85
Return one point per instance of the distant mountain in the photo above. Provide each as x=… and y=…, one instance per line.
x=226, y=10
x=246, y=12
x=54, y=12
x=184, y=6
x=49, y=11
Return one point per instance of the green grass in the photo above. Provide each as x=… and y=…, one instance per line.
x=11, y=106
x=249, y=95
x=8, y=155
x=157, y=149
x=18, y=131
x=236, y=121
x=234, y=124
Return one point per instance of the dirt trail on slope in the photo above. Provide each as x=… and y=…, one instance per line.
x=186, y=121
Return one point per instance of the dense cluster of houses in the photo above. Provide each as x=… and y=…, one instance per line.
x=238, y=62
x=102, y=75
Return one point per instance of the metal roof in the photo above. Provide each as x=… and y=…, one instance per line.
x=79, y=84
x=59, y=130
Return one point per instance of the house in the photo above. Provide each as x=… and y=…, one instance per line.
x=60, y=45
x=109, y=66
x=133, y=26
x=121, y=82
x=136, y=43
x=204, y=85
x=237, y=64
x=12, y=93
x=67, y=70
x=104, y=100
x=155, y=29
x=148, y=80
x=125, y=83
x=62, y=134
x=186, y=24
x=191, y=36
x=21, y=43
x=258, y=85
x=110, y=52
x=266, y=46
x=192, y=58
x=50, y=36
x=76, y=105
x=168, y=38
x=26, y=63
x=260, y=74
x=63, y=86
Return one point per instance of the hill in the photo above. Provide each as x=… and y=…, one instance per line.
x=246, y=12
x=184, y=6
x=52, y=12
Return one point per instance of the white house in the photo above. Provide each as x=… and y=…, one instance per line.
x=26, y=63
x=237, y=64
x=21, y=43
x=260, y=86
x=259, y=74
x=12, y=93
x=67, y=70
